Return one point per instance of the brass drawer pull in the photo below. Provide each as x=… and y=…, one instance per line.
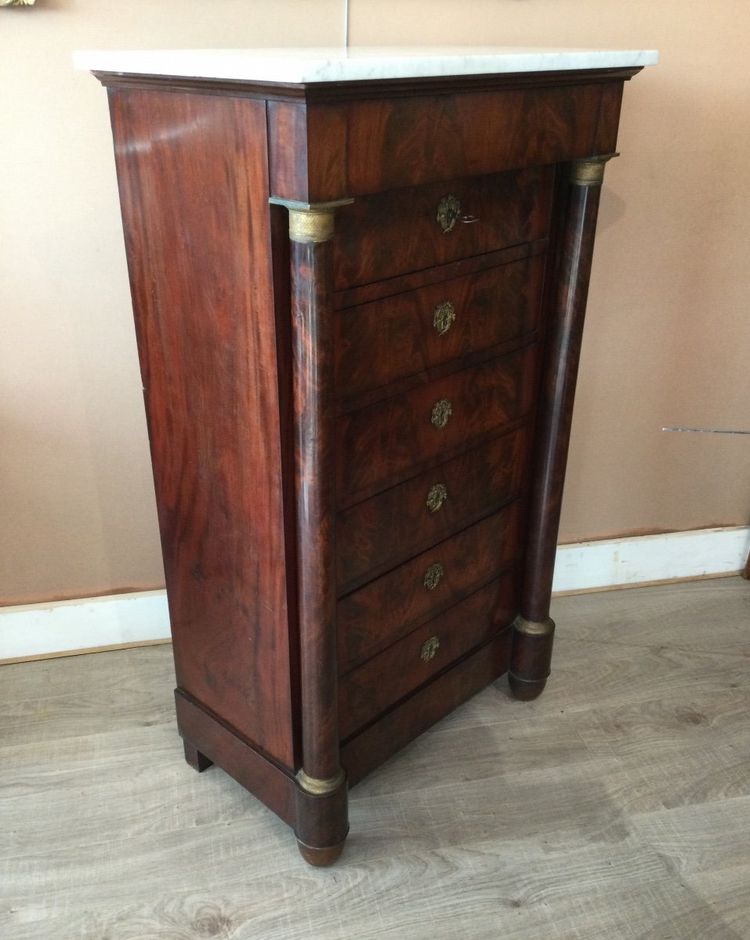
x=448, y=212
x=443, y=317
x=437, y=496
x=429, y=648
x=433, y=575
x=441, y=412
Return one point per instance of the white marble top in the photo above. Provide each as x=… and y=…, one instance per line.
x=304, y=65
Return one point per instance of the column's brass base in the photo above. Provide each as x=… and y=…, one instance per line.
x=525, y=690
x=320, y=858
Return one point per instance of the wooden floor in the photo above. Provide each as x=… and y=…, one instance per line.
x=615, y=806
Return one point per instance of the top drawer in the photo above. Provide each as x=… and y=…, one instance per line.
x=407, y=230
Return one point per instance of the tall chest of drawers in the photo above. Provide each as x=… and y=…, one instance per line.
x=359, y=304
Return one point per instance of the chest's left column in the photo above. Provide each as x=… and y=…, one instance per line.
x=193, y=179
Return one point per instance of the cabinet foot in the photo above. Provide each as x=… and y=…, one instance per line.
x=194, y=757
x=320, y=858
x=322, y=818
x=525, y=689
x=530, y=657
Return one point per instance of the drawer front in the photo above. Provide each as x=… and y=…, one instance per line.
x=370, y=619
x=383, y=531
x=363, y=752
x=389, y=339
x=379, y=445
x=406, y=230
x=377, y=685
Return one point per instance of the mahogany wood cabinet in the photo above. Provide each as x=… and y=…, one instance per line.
x=359, y=307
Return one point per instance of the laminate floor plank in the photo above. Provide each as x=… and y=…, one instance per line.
x=726, y=892
x=615, y=806
x=699, y=615
x=141, y=669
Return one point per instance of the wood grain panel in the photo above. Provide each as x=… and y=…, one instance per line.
x=368, y=691
x=397, y=231
x=307, y=150
x=385, y=340
x=435, y=137
x=384, y=443
x=207, y=346
x=381, y=532
x=370, y=619
x=313, y=359
x=379, y=290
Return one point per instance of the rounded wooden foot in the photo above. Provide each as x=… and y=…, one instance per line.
x=530, y=657
x=320, y=858
x=525, y=689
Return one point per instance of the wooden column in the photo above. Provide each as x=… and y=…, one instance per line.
x=534, y=628
x=321, y=795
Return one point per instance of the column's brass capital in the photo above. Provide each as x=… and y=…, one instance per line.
x=310, y=222
x=534, y=627
x=590, y=171
x=306, y=225
x=318, y=787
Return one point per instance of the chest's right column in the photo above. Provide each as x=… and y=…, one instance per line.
x=534, y=629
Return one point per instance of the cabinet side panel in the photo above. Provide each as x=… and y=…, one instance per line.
x=192, y=171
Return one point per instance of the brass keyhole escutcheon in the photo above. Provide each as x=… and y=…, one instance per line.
x=448, y=212
x=429, y=648
x=441, y=412
x=433, y=575
x=443, y=317
x=437, y=496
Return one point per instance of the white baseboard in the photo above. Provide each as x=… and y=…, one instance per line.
x=586, y=566
x=65, y=627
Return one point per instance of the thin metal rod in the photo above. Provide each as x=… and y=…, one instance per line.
x=346, y=23
x=705, y=431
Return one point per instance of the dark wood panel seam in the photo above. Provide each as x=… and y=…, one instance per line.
x=390, y=287
x=364, y=750
x=441, y=371
x=381, y=570
x=439, y=675
x=458, y=598
x=424, y=465
x=421, y=271
x=512, y=567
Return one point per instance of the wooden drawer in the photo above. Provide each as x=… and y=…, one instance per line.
x=404, y=230
x=368, y=691
x=364, y=751
x=379, y=342
x=381, y=444
x=370, y=619
x=383, y=531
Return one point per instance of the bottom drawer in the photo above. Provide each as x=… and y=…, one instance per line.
x=369, y=690
x=377, y=742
